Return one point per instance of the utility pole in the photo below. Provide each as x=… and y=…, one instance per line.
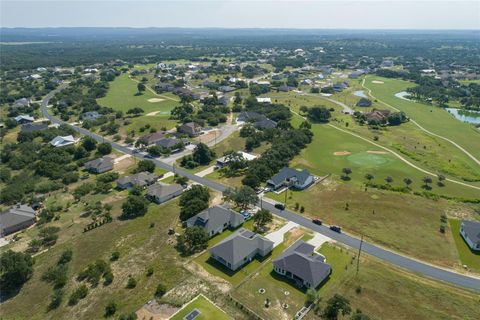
x=286, y=192
x=359, y=252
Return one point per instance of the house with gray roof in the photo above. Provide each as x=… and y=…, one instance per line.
x=258, y=120
x=161, y=192
x=60, y=141
x=141, y=179
x=470, y=231
x=301, y=264
x=22, y=102
x=24, y=118
x=31, y=127
x=171, y=144
x=153, y=138
x=190, y=128
x=216, y=219
x=240, y=248
x=91, y=116
x=16, y=218
x=292, y=178
x=99, y=165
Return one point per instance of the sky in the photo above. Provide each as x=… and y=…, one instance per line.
x=314, y=14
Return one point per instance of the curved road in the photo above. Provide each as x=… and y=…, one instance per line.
x=410, y=264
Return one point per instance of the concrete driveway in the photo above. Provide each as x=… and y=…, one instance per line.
x=277, y=236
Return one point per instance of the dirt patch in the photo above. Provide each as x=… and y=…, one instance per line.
x=122, y=166
x=189, y=291
x=207, y=137
x=341, y=153
x=378, y=82
x=151, y=114
x=156, y=311
x=216, y=199
x=377, y=152
x=154, y=100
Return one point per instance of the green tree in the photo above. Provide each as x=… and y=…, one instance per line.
x=426, y=182
x=369, y=177
x=160, y=291
x=262, y=217
x=133, y=207
x=194, y=239
x=318, y=114
x=407, y=182
x=336, y=305
x=104, y=148
x=89, y=143
x=388, y=180
x=202, y=154
x=145, y=165
x=110, y=309
x=346, y=172
x=141, y=87
x=15, y=269
x=131, y=283
x=243, y=197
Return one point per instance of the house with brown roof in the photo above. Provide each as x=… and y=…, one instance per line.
x=153, y=138
x=377, y=116
x=190, y=128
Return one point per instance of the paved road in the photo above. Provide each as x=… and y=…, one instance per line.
x=383, y=254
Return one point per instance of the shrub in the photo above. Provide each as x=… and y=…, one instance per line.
x=161, y=290
x=77, y=295
x=131, y=283
x=110, y=309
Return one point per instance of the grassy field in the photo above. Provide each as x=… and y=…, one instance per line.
x=140, y=245
x=320, y=158
x=206, y=308
x=122, y=96
x=381, y=291
x=384, y=217
x=431, y=118
x=467, y=256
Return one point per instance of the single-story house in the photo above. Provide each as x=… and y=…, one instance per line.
x=153, y=138
x=364, y=102
x=265, y=124
x=31, y=127
x=60, y=141
x=301, y=264
x=470, y=231
x=24, y=118
x=356, y=74
x=258, y=120
x=164, y=87
x=91, y=116
x=141, y=179
x=240, y=248
x=22, y=102
x=263, y=83
x=226, y=88
x=378, y=116
x=161, y=192
x=99, y=165
x=292, y=178
x=216, y=219
x=264, y=100
x=221, y=162
x=171, y=144
x=16, y=218
x=190, y=128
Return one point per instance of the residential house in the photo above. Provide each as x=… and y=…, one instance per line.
x=171, y=144
x=377, y=116
x=16, y=218
x=216, y=219
x=470, y=231
x=226, y=88
x=60, y=141
x=91, y=116
x=99, y=165
x=24, y=118
x=264, y=100
x=153, y=138
x=356, y=74
x=22, y=102
x=161, y=192
x=258, y=120
x=265, y=124
x=190, y=128
x=292, y=178
x=141, y=179
x=240, y=248
x=301, y=264
x=32, y=127
x=221, y=162
x=223, y=100
x=364, y=102
x=164, y=87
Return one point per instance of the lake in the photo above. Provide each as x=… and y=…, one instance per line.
x=469, y=116
x=360, y=93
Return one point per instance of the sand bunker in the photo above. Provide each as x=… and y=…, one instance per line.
x=378, y=82
x=153, y=100
x=341, y=153
x=152, y=113
x=377, y=152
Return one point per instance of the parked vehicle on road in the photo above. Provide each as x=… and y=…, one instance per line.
x=280, y=206
x=336, y=229
x=317, y=221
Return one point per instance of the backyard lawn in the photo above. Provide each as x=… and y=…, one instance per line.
x=207, y=310
x=467, y=256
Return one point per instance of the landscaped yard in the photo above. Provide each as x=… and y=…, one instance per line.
x=207, y=310
x=467, y=256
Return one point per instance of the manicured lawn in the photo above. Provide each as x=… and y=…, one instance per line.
x=382, y=216
x=121, y=96
x=467, y=256
x=140, y=245
x=384, y=292
x=432, y=118
x=207, y=310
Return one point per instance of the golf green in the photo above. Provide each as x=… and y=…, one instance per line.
x=367, y=159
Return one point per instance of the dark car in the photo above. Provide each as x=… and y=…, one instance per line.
x=280, y=206
x=317, y=221
x=336, y=229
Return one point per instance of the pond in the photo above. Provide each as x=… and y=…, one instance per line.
x=360, y=93
x=469, y=116
x=402, y=95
